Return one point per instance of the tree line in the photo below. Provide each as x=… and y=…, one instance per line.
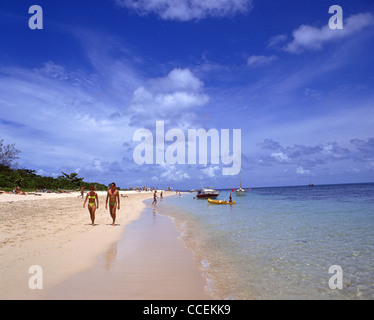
x=11, y=176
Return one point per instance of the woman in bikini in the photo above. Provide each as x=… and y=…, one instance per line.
x=93, y=203
x=113, y=197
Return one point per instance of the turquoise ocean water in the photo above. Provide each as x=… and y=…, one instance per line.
x=279, y=243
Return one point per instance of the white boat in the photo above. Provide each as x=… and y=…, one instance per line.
x=205, y=193
x=241, y=191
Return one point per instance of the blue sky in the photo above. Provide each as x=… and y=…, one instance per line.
x=73, y=94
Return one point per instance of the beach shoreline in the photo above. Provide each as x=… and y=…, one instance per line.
x=148, y=263
x=53, y=231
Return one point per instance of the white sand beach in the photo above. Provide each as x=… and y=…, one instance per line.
x=54, y=231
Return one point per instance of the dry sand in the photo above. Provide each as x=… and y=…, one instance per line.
x=53, y=231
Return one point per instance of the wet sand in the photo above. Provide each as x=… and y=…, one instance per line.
x=148, y=263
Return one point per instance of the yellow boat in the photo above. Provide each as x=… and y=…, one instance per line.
x=211, y=201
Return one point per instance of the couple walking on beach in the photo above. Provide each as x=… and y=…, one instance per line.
x=93, y=202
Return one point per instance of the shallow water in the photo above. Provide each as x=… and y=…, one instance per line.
x=279, y=243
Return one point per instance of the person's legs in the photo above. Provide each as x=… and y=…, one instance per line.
x=113, y=209
x=92, y=210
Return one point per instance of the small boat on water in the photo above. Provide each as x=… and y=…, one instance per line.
x=205, y=193
x=310, y=182
x=211, y=201
x=241, y=191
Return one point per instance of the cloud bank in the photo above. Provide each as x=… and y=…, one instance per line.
x=185, y=10
x=312, y=38
x=172, y=99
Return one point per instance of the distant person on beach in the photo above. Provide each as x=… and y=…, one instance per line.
x=82, y=192
x=113, y=197
x=93, y=203
x=18, y=191
x=161, y=195
x=63, y=191
x=154, y=198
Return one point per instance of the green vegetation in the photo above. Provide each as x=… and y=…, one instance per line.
x=28, y=180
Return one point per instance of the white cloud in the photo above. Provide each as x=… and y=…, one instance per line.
x=172, y=99
x=79, y=121
x=100, y=168
x=280, y=157
x=365, y=149
x=257, y=61
x=276, y=41
x=312, y=38
x=177, y=79
x=171, y=173
x=302, y=171
x=60, y=113
x=185, y=10
x=302, y=155
x=212, y=171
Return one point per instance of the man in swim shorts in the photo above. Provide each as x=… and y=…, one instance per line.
x=113, y=197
